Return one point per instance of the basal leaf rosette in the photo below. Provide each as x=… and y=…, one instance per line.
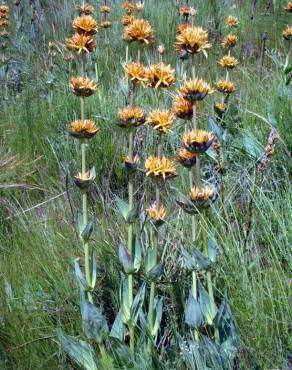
x=83, y=129
x=156, y=215
x=161, y=120
x=192, y=40
x=199, y=198
x=84, y=181
x=195, y=90
x=197, y=141
x=160, y=168
x=85, y=25
x=160, y=76
x=83, y=86
x=131, y=117
x=140, y=31
x=186, y=158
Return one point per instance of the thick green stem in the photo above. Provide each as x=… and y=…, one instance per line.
x=104, y=356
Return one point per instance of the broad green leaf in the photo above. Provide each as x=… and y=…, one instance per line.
x=125, y=259
x=123, y=207
x=157, y=307
x=89, y=229
x=212, y=249
x=80, y=276
x=118, y=328
x=137, y=304
x=126, y=308
x=137, y=254
x=209, y=310
x=193, y=312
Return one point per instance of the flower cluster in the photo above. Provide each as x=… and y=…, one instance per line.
x=83, y=40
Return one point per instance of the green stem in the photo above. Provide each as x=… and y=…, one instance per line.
x=104, y=356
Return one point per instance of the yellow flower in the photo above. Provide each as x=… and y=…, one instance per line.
x=287, y=33
x=139, y=7
x=131, y=117
x=228, y=62
x=83, y=181
x=197, y=141
x=139, y=30
x=160, y=168
x=4, y=11
x=131, y=164
x=195, y=90
x=220, y=108
x=229, y=41
x=199, y=194
x=104, y=9
x=157, y=215
x=105, y=24
x=182, y=107
x=289, y=7
x=186, y=158
x=129, y=7
x=127, y=19
x=136, y=73
x=193, y=40
x=160, y=76
x=225, y=86
x=161, y=120
x=86, y=8
x=83, y=129
x=232, y=21
x=81, y=43
x=83, y=86
x=85, y=24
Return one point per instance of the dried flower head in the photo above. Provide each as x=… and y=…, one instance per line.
x=289, y=7
x=157, y=215
x=136, y=73
x=5, y=34
x=193, y=40
x=139, y=7
x=161, y=49
x=83, y=129
x=4, y=23
x=128, y=7
x=52, y=46
x=195, y=90
x=225, y=86
x=229, y=41
x=287, y=33
x=81, y=43
x=127, y=19
x=83, y=86
x=232, y=21
x=182, y=27
x=130, y=117
x=160, y=76
x=269, y=150
x=105, y=9
x=186, y=158
x=105, y=24
x=197, y=141
x=4, y=11
x=161, y=120
x=139, y=30
x=85, y=8
x=85, y=24
x=160, y=168
x=182, y=107
x=228, y=62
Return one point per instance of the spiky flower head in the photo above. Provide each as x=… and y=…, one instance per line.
x=220, y=108
x=136, y=73
x=289, y=7
x=4, y=11
x=130, y=164
x=195, y=90
x=85, y=8
x=182, y=107
x=139, y=7
x=105, y=9
x=127, y=19
x=287, y=33
x=228, y=62
x=85, y=24
x=83, y=86
x=131, y=117
x=186, y=158
x=128, y=7
x=160, y=168
x=186, y=11
x=197, y=141
x=83, y=129
x=160, y=76
x=105, y=24
x=161, y=120
x=156, y=214
x=193, y=40
x=81, y=43
x=139, y=30
x=202, y=196
x=229, y=41
x=225, y=86
x=182, y=27
x=84, y=180
x=232, y=21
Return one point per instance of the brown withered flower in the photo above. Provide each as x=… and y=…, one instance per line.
x=289, y=7
x=287, y=33
x=269, y=150
x=160, y=76
x=182, y=107
x=4, y=23
x=156, y=215
x=229, y=41
x=136, y=73
x=127, y=19
x=105, y=9
x=105, y=24
x=228, y=62
x=83, y=129
x=186, y=158
x=81, y=43
x=160, y=168
x=195, y=90
x=161, y=120
x=197, y=141
x=139, y=30
x=231, y=21
x=225, y=86
x=130, y=117
x=4, y=11
x=83, y=86
x=85, y=24
x=85, y=8
x=193, y=40
x=161, y=49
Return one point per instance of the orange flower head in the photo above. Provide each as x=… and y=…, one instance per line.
x=85, y=24
x=105, y=9
x=182, y=107
x=287, y=33
x=220, y=108
x=160, y=168
x=186, y=158
x=85, y=8
x=136, y=73
x=4, y=23
x=131, y=117
x=161, y=120
x=195, y=90
x=160, y=76
x=139, y=7
x=186, y=11
x=183, y=27
x=80, y=43
x=83, y=86
x=199, y=194
x=289, y=7
x=229, y=41
x=228, y=62
x=83, y=129
x=105, y=24
x=128, y=7
x=225, y=86
x=4, y=11
x=139, y=30
x=127, y=19
x=193, y=40
x=232, y=21
x=131, y=164
x=157, y=215
x=197, y=141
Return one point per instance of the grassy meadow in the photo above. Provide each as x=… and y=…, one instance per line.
x=38, y=199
